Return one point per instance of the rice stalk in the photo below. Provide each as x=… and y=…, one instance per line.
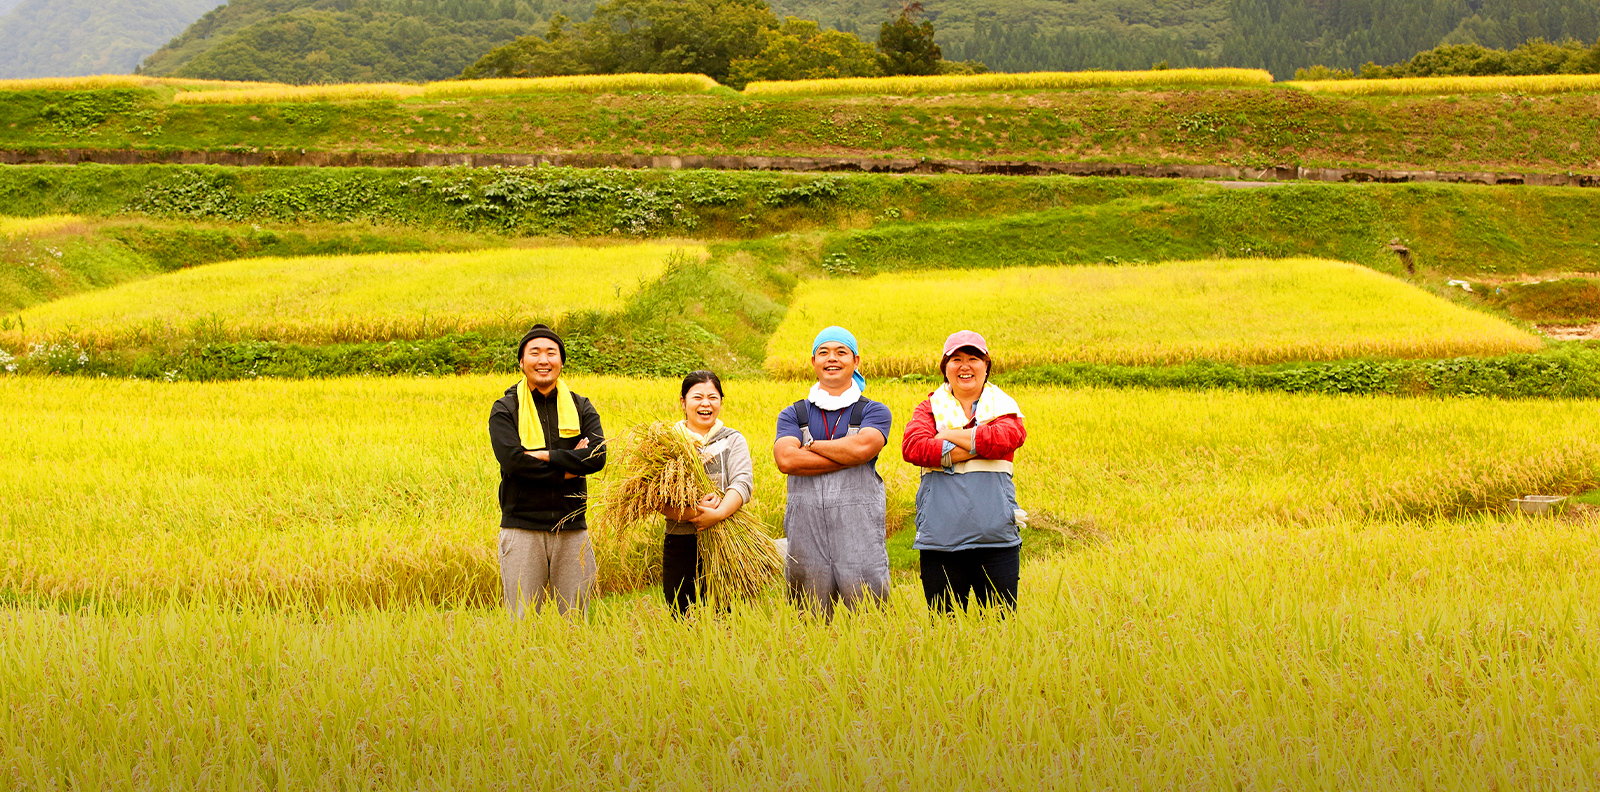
x=662, y=471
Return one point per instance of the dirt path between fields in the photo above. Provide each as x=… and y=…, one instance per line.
x=1222, y=173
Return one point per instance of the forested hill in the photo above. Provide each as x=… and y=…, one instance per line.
x=1279, y=35
x=318, y=41
x=304, y=41
x=60, y=38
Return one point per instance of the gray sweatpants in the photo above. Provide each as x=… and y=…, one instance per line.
x=538, y=565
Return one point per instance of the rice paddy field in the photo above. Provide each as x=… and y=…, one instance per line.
x=291, y=584
x=1524, y=83
x=381, y=490
x=1237, y=310
x=19, y=227
x=354, y=298
x=1028, y=81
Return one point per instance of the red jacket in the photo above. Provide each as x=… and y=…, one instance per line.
x=998, y=439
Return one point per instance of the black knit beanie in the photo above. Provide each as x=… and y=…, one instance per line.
x=542, y=331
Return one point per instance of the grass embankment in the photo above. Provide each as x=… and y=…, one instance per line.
x=341, y=299
x=372, y=490
x=722, y=312
x=894, y=222
x=1258, y=127
x=1257, y=659
x=1228, y=310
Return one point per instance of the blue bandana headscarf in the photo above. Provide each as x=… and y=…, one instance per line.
x=838, y=335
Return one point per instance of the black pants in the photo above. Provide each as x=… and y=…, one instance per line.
x=991, y=573
x=680, y=569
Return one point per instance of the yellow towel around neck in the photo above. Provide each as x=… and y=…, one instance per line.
x=529, y=430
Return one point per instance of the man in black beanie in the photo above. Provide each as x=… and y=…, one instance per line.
x=547, y=439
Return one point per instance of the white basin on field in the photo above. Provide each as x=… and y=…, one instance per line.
x=1538, y=504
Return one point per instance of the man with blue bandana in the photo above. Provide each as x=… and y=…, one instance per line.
x=828, y=445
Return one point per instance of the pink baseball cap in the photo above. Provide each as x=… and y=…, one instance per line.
x=965, y=338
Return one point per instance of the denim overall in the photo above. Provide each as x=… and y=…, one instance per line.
x=835, y=525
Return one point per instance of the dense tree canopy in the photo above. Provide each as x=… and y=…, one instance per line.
x=1279, y=35
x=649, y=36
x=319, y=40
x=64, y=38
x=801, y=50
x=309, y=41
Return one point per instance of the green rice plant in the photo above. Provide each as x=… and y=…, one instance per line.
x=319, y=299
x=1027, y=81
x=1413, y=656
x=380, y=491
x=1229, y=310
x=1495, y=83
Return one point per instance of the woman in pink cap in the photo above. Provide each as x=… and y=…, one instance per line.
x=964, y=436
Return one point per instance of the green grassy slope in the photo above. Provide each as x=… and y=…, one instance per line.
x=771, y=231
x=1242, y=127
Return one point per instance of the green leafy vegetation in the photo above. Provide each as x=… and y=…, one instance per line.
x=1449, y=60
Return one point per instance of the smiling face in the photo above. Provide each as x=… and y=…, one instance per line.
x=702, y=406
x=835, y=364
x=541, y=364
x=966, y=372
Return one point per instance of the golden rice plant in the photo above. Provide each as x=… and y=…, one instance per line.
x=378, y=490
x=28, y=226
x=339, y=92
x=99, y=81
x=354, y=298
x=583, y=83
x=1027, y=81
x=661, y=470
x=1233, y=310
x=1524, y=83
x=85, y=83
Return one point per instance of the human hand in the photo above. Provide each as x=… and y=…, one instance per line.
x=541, y=455
x=582, y=444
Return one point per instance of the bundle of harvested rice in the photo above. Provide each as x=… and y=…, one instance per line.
x=662, y=469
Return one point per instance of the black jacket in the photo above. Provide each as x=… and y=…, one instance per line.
x=536, y=495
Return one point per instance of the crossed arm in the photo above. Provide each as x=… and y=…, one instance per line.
x=826, y=456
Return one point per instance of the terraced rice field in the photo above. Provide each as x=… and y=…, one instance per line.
x=364, y=297
x=1233, y=310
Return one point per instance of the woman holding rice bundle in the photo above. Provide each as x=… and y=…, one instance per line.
x=727, y=462
x=964, y=436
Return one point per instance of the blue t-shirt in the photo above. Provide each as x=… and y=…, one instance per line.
x=835, y=424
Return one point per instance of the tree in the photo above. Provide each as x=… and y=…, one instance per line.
x=674, y=36
x=905, y=47
x=555, y=55
x=801, y=50
x=647, y=36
